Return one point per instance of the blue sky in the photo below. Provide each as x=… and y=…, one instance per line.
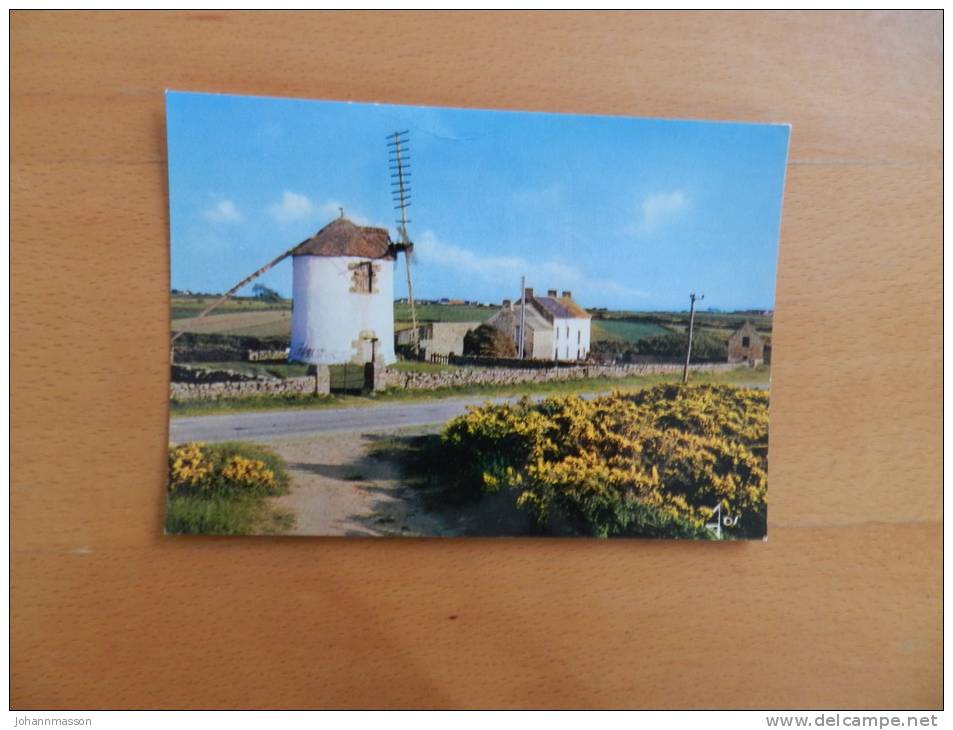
x=627, y=213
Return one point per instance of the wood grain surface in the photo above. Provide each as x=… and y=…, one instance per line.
x=840, y=608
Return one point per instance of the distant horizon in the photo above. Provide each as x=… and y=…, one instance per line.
x=631, y=213
x=473, y=303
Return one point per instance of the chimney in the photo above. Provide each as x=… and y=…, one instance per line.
x=567, y=294
x=551, y=293
x=529, y=292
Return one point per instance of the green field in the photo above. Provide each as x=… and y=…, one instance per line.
x=252, y=323
x=722, y=322
x=251, y=316
x=444, y=313
x=622, y=331
x=188, y=305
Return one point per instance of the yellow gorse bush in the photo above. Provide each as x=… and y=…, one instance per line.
x=194, y=467
x=656, y=462
x=188, y=467
x=248, y=472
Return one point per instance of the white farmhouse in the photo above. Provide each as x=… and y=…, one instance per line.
x=343, y=296
x=556, y=328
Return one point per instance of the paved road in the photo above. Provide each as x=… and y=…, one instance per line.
x=275, y=424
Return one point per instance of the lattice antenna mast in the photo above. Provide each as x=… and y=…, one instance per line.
x=398, y=145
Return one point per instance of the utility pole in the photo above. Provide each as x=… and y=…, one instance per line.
x=522, y=316
x=691, y=331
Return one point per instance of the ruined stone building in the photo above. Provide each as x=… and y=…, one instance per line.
x=746, y=345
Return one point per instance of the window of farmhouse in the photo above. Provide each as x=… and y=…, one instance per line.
x=746, y=342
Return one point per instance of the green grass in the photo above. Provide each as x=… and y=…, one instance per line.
x=726, y=322
x=415, y=366
x=421, y=459
x=623, y=331
x=194, y=515
x=276, y=328
x=444, y=313
x=268, y=402
x=227, y=509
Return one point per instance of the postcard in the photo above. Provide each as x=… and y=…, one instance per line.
x=421, y=322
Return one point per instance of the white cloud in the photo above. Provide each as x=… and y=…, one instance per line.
x=506, y=270
x=224, y=211
x=659, y=208
x=292, y=207
x=430, y=250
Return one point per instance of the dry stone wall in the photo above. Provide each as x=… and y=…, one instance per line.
x=394, y=379
x=507, y=376
x=242, y=389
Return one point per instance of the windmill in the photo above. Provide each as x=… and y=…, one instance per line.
x=399, y=158
x=332, y=300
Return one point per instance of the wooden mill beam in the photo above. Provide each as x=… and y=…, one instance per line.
x=239, y=285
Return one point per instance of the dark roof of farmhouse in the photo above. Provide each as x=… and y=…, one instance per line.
x=342, y=237
x=561, y=307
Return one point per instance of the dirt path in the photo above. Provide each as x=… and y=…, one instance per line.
x=337, y=488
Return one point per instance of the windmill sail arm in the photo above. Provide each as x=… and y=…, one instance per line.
x=244, y=282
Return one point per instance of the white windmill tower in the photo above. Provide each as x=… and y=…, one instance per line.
x=343, y=284
x=343, y=296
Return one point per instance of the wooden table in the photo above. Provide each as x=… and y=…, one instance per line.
x=841, y=608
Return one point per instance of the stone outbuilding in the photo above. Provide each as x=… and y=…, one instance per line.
x=746, y=345
x=440, y=339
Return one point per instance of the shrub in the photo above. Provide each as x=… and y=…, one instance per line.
x=706, y=347
x=231, y=467
x=487, y=341
x=656, y=463
x=221, y=489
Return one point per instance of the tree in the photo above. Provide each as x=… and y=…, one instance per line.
x=266, y=294
x=487, y=341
